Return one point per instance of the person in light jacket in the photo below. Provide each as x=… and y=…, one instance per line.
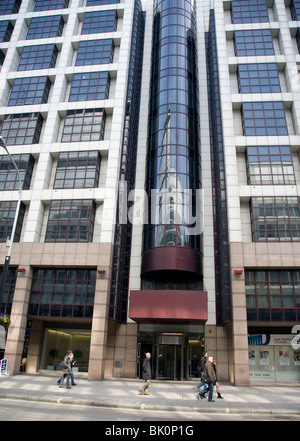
x=146, y=374
x=67, y=369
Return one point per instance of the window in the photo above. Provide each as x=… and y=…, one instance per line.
x=71, y=221
x=34, y=90
x=6, y=29
x=45, y=27
x=295, y=9
x=84, y=125
x=273, y=295
x=62, y=292
x=101, y=2
x=38, y=57
x=99, y=21
x=90, y=86
x=270, y=165
x=253, y=43
x=78, y=170
x=249, y=11
x=22, y=128
x=7, y=216
x=275, y=219
x=47, y=5
x=95, y=52
x=10, y=7
x=8, y=175
x=258, y=78
x=9, y=290
x=264, y=118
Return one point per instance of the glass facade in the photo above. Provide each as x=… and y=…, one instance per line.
x=95, y=52
x=99, y=21
x=249, y=11
x=258, y=78
x=264, y=119
x=90, y=86
x=38, y=57
x=8, y=175
x=84, y=125
x=173, y=145
x=253, y=43
x=34, y=90
x=22, y=128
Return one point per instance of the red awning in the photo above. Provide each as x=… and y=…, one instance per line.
x=168, y=306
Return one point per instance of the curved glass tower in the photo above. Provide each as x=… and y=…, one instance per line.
x=173, y=173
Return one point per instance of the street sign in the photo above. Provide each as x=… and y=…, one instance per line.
x=3, y=367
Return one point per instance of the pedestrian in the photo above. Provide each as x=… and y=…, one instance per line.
x=72, y=374
x=203, y=376
x=217, y=384
x=203, y=361
x=146, y=374
x=67, y=369
x=209, y=370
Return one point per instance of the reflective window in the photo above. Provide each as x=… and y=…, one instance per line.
x=258, y=78
x=71, y=221
x=6, y=29
x=62, y=292
x=264, y=118
x=47, y=5
x=95, y=52
x=90, y=86
x=8, y=175
x=45, y=27
x=253, y=43
x=10, y=7
x=77, y=170
x=7, y=216
x=99, y=21
x=295, y=9
x=24, y=128
x=249, y=11
x=275, y=219
x=270, y=165
x=33, y=90
x=38, y=57
x=9, y=290
x=273, y=295
x=84, y=125
x=101, y=2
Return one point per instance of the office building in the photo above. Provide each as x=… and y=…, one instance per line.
x=158, y=145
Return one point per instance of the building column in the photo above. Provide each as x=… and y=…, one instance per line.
x=18, y=317
x=240, y=362
x=100, y=315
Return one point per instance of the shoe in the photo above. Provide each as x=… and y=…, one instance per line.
x=146, y=393
x=75, y=384
x=140, y=392
x=220, y=396
x=68, y=387
x=198, y=396
x=60, y=386
x=201, y=396
x=212, y=401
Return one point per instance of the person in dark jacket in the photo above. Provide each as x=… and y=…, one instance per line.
x=146, y=374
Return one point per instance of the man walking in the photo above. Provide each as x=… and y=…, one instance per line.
x=146, y=374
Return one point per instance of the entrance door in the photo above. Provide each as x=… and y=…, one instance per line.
x=169, y=362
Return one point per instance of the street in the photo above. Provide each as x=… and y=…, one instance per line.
x=23, y=410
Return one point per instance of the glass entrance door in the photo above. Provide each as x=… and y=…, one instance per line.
x=169, y=362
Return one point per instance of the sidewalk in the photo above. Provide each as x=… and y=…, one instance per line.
x=171, y=396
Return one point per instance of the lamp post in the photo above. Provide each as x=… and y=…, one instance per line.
x=10, y=241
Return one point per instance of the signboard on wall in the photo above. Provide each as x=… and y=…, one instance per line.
x=3, y=367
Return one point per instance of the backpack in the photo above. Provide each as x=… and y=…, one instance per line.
x=204, y=377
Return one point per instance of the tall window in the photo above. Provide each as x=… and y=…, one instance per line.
x=264, y=118
x=275, y=219
x=6, y=29
x=99, y=21
x=71, y=221
x=273, y=296
x=7, y=216
x=270, y=165
x=34, y=90
x=64, y=292
x=253, y=43
x=24, y=128
x=90, y=86
x=101, y=2
x=77, y=170
x=258, y=78
x=295, y=9
x=84, y=125
x=8, y=175
x=249, y=11
x=10, y=7
x=95, y=52
x=9, y=290
x=38, y=57
x=45, y=27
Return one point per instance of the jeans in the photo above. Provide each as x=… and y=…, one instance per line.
x=211, y=390
x=63, y=379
